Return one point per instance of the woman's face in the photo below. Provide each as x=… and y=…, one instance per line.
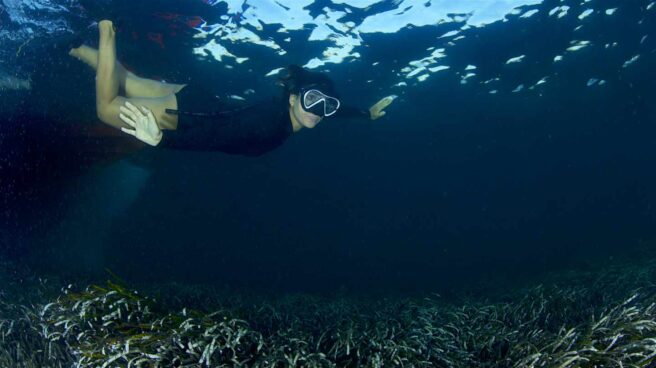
x=306, y=119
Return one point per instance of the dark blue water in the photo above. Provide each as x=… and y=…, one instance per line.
x=455, y=186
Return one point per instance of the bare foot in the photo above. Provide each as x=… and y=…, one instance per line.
x=75, y=52
x=106, y=29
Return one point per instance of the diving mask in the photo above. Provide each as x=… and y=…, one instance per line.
x=317, y=102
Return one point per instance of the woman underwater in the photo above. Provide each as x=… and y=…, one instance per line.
x=182, y=109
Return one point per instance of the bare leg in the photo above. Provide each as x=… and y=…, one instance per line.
x=108, y=101
x=133, y=85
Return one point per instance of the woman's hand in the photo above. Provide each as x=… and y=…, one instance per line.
x=376, y=111
x=143, y=122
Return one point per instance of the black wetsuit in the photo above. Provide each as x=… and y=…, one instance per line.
x=251, y=131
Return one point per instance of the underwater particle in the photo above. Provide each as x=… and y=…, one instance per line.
x=401, y=84
x=492, y=80
x=611, y=11
x=438, y=54
x=529, y=13
x=420, y=63
x=493, y=92
x=466, y=77
x=237, y=97
x=249, y=91
x=592, y=81
x=577, y=45
x=415, y=72
x=518, y=89
x=216, y=51
x=517, y=59
x=585, y=14
x=460, y=18
x=515, y=11
x=376, y=63
x=631, y=61
x=602, y=82
x=470, y=67
x=561, y=10
x=643, y=39
x=541, y=81
x=651, y=5
x=438, y=68
x=449, y=34
x=274, y=72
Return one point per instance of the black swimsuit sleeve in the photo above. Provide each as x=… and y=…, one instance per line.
x=250, y=131
x=199, y=136
x=349, y=112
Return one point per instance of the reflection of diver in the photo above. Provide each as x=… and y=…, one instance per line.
x=252, y=131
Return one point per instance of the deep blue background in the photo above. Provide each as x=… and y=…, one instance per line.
x=454, y=186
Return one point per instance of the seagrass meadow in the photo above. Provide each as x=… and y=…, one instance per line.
x=599, y=317
x=328, y=183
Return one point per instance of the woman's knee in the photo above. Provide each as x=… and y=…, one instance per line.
x=102, y=110
x=108, y=114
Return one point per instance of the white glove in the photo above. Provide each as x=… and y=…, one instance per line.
x=145, y=126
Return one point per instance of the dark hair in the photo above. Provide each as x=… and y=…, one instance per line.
x=295, y=77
